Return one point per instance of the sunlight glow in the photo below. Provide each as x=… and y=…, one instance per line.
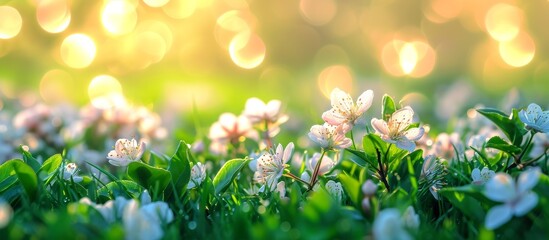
x=53, y=16
x=78, y=50
x=503, y=21
x=106, y=92
x=10, y=22
x=416, y=58
x=54, y=86
x=408, y=58
x=179, y=9
x=318, y=12
x=119, y=17
x=247, y=50
x=519, y=51
x=335, y=76
x=230, y=24
x=156, y=3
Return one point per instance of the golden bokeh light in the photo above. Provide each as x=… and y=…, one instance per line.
x=54, y=16
x=230, y=24
x=318, y=12
x=247, y=50
x=503, y=21
x=156, y=3
x=335, y=76
x=10, y=22
x=180, y=9
x=78, y=50
x=119, y=17
x=440, y=11
x=519, y=51
x=416, y=58
x=106, y=92
x=151, y=45
x=55, y=85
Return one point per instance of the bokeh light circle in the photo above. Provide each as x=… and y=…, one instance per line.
x=54, y=16
x=318, y=12
x=519, y=51
x=78, y=50
x=55, y=85
x=118, y=17
x=335, y=76
x=156, y=3
x=415, y=58
x=10, y=22
x=247, y=50
x=105, y=92
x=503, y=21
x=179, y=9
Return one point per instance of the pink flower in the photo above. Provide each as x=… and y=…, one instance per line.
x=397, y=130
x=330, y=136
x=231, y=129
x=344, y=110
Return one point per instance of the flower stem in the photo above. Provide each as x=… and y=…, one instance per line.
x=382, y=173
x=267, y=137
x=291, y=175
x=517, y=160
x=353, y=140
x=317, y=169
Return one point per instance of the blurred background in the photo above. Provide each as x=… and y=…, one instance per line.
x=173, y=56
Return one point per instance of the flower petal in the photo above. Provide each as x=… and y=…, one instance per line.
x=217, y=132
x=227, y=121
x=475, y=175
x=406, y=145
x=364, y=101
x=533, y=112
x=402, y=118
x=414, y=134
x=254, y=109
x=273, y=109
x=528, y=179
x=341, y=101
x=500, y=188
x=288, y=152
x=497, y=216
x=527, y=202
x=333, y=117
x=380, y=126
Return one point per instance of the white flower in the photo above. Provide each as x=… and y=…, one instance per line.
x=432, y=171
x=481, y=177
x=396, y=130
x=70, y=172
x=126, y=151
x=111, y=210
x=517, y=198
x=6, y=213
x=540, y=144
x=281, y=189
x=330, y=136
x=325, y=166
x=535, y=118
x=410, y=218
x=260, y=113
x=140, y=225
x=344, y=110
x=198, y=174
x=388, y=225
x=158, y=212
x=270, y=167
x=335, y=189
x=230, y=129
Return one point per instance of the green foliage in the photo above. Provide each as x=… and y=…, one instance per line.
x=511, y=126
x=388, y=107
x=180, y=168
x=120, y=188
x=24, y=175
x=227, y=173
x=50, y=166
x=498, y=143
x=152, y=178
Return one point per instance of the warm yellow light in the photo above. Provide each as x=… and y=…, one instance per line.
x=447, y=9
x=152, y=46
x=106, y=92
x=503, y=21
x=54, y=86
x=408, y=58
x=180, y=8
x=247, y=50
x=155, y=3
x=10, y=22
x=335, y=76
x=230, y=24
x=53, y=16
x=78, y=50
x=318, y=12
x=519, y=51
x=119, y=17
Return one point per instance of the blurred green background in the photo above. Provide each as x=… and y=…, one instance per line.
x=441, y=56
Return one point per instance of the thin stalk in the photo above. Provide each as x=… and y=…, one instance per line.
x=317, y=169
x=291, y=175
x=517, y=161
x=353, y=139
x=267, y=137
x=382, y=174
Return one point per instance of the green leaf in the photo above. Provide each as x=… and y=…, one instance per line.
x=227, y=173
x=50, y=166
x=511, y=126
x=370, y=143
x=388, y=107
x=120, y=188
x=180, y=167
x=352, y=188
x=25, y=175
x=467, y=199
x=500, y=144
x=360, y=159
x=149, y=177
x=29, y=159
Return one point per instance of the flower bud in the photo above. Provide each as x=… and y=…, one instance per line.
x=366, y=205
x=369, y=188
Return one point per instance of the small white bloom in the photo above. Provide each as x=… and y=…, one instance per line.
x=517, y=198
x=145, y=198
x=330, y=136
x=260, y=113
x=540, y=145
x=198, y=174
x=70, y=172
x=230, y=129
x=388, y=225
x=335, y=189
x=396, y=129
x=281, y=189
x=430, y=171
x=325, y=166
x=481, y=177
x=6, y=213
x=344, y=110
x=369, y=188
x=270, y=166
x=158, y=212
x=535, y=118
x=410, y=218
x=140, y=225
x=126, y=151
